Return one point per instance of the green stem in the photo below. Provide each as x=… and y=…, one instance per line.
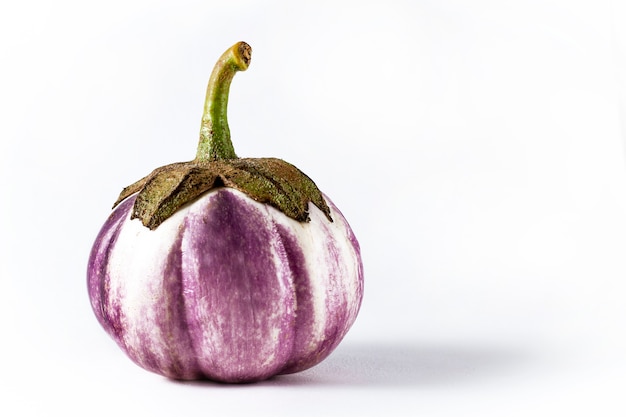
x=215, y=143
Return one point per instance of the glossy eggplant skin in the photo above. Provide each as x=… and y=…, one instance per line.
x=226, y=289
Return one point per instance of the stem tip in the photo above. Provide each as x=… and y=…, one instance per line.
x=245, y=54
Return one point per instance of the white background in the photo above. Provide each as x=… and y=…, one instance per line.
x=474, y=146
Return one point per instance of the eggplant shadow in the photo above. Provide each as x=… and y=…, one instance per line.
x=386, y=365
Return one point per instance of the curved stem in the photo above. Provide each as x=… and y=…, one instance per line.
x=215, y=140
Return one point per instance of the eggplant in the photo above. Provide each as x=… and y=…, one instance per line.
x=225, y=268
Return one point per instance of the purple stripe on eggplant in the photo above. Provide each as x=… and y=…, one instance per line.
x=173, y=320
x=336, y=298
x=235, y=284
x=179, y=360
x=108, y=314
x=305, y=309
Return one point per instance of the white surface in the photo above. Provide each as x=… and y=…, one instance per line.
x=475, y=147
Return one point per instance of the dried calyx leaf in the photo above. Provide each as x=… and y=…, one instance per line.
x=269, y=181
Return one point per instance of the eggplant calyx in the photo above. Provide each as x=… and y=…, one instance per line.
x=269, y=181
